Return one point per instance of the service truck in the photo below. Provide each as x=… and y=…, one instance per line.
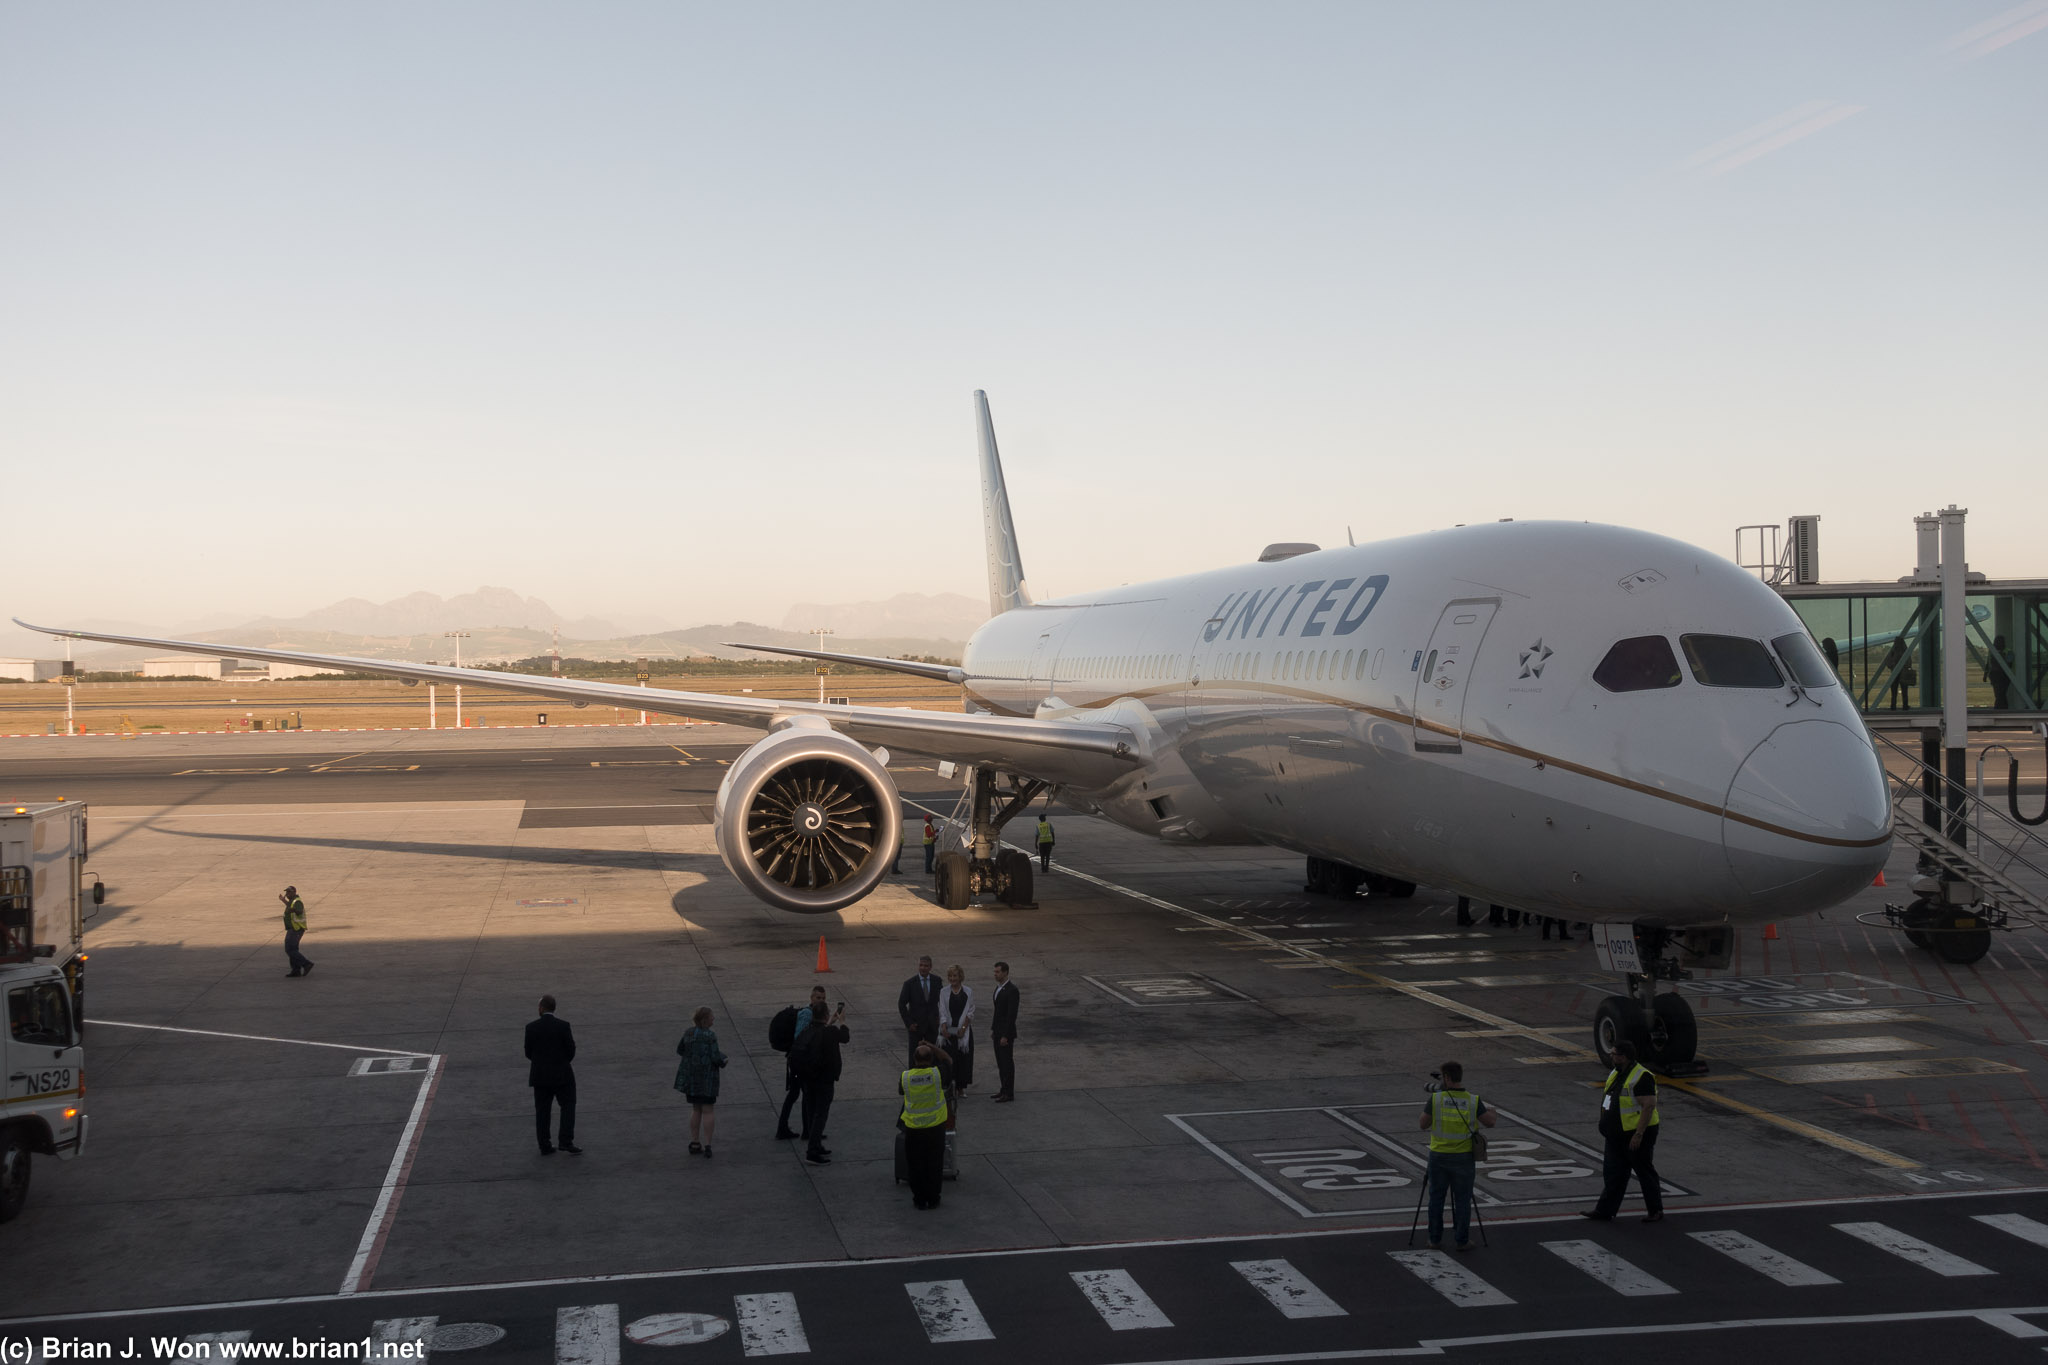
x=42, y=977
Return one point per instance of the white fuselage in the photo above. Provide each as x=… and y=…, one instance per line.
x=1425, y=708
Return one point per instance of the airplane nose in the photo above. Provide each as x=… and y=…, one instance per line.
x=1807, y=821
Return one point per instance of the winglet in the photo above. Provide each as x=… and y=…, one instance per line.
x=1007, y=590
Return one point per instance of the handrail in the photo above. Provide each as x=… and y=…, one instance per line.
x=2012, y=783
x=1971, y=809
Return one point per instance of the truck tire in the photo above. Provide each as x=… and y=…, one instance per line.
x=14, y=1163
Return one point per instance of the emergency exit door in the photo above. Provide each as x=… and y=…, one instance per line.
x=1444, y=675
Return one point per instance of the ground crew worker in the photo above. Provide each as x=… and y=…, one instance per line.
x=1452, y=1114
x=924, y=1127
x=931, y=842
x=294, y=930
x=1628, y=1120
x=1044, y=843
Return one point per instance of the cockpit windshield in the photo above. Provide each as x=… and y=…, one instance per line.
x=1730, y=661
x=1639, y=664
x=1804, y=660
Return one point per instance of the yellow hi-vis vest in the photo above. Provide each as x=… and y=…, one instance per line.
x=924, y=1099
x=1631, y=1112
x=295, y=914
x=1453, y=1114
x=931, y=834
x=1044, y=830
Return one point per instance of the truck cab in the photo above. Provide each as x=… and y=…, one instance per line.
x=42, y=986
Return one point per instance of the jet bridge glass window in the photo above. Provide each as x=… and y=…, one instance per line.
x=1730, y=661
x=1805, y=661
x=1642, y=663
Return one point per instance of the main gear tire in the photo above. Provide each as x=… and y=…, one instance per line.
x=1014, y=872
x=953, y=881
x=1675, y=1038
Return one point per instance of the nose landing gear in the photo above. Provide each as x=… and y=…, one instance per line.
x=1660, y=1026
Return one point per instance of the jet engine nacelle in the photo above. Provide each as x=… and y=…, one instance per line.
x=807, y=819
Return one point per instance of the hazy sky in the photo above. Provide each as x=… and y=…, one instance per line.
x=676, y=308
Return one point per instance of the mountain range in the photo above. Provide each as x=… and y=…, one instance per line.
x=503, y=624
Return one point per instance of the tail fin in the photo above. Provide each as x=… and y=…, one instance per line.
x=1007, y=590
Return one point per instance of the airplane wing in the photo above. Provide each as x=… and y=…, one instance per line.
x=951, y=673
x=1069, y=752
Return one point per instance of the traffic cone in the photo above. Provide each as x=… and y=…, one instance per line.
x=1770, y=933
x=1880, y=878
x=824, y=965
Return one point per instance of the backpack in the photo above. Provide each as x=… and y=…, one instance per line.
x=782, y=1028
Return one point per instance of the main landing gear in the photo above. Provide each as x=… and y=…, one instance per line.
x=1661, y=1026
x=984, y=865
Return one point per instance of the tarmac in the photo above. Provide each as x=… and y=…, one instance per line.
x=1205, y=1054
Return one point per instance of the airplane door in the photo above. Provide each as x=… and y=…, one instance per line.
x=1443, y=673
x=1042, y=658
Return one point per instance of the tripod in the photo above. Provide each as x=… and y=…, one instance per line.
x=1423, y=1194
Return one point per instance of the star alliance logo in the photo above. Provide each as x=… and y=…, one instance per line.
x=1534, y=657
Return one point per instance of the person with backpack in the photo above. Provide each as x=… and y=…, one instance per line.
x=815, y=1059
x=783, y=1031
x=697, y=1078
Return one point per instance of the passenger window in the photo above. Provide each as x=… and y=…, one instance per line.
x=1803, y=660
x=1640, y=664
x=1730, y=661
x=39, y=1015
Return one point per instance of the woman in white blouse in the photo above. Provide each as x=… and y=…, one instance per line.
x=956, y=1025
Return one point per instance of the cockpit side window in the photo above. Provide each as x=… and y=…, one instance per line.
x=1730, y=661
x=1804, y=661
x=1640, y=664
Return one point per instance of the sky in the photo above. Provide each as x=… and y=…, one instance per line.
x=676, y=309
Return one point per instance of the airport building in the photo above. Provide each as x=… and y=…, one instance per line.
x=31, y=670
x=227, y=670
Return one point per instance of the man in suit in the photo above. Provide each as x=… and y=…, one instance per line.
x=918, y=1003
x=1004, y=1031
x=550, y=1047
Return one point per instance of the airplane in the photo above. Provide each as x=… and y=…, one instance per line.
x=1498, y=710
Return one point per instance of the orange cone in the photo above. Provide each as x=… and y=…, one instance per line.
x=1770, y=933
x=1880, y=878
x=824, y=965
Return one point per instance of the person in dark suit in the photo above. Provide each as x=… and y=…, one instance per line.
x=816, y=1053
x=550, y=1047
x=1003, y=1030
x=918, y=1003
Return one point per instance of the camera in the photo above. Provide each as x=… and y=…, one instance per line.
x=1436, y=1083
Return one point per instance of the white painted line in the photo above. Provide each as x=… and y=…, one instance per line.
x=588, y=1335
x=948, y=1311
x=262, y=1038
x=769, y=1325
x=1288, y=1290
x=677, y=1329
x=2011, y=1324
x=1009, y=1253
x=405, y=1331
x=1608, y=1268
x=1115, y=1295
x=1451, y=1280
x=385, y=1211
x=2018, y=1224
x=1762, y=1259
x=1923, y=1254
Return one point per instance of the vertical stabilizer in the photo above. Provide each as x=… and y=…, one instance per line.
x=1007, y=590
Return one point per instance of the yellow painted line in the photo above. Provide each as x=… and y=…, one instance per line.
x=1876, y=1155
x=343, y=759
x=684, y=752
x=224, y=772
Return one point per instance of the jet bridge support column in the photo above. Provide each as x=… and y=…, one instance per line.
x=1955, y=654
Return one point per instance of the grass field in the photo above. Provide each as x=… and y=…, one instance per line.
x=157, y=707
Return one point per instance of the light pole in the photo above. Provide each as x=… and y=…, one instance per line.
x=821, y=632
x=71, y=690
x=458, y=636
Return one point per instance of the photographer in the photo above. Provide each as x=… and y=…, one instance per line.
x=815, y=1057
x=1452, y=1115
